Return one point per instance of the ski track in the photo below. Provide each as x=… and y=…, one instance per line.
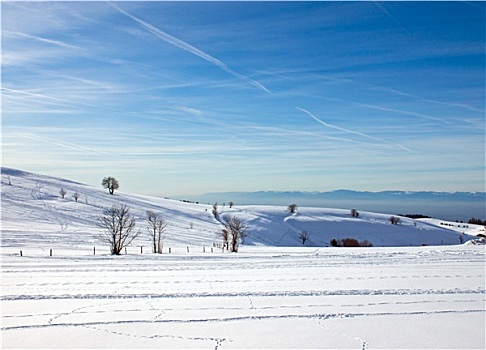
x=186, y=291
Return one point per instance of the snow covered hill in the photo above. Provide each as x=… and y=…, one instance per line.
x=34, y=214
x=272, y=294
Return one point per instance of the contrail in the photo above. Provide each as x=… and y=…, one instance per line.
x=424, y=116
x=450, y=104
x=45, y=40
x=32, y=94
x=350, y=131
x=67, y=145
x=389, y=15
x=189, y=48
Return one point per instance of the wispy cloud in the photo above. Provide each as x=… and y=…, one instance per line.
x=189, y=48
x=189, y=110
x=351, y=131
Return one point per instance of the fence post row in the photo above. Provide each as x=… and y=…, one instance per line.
x=141, y=249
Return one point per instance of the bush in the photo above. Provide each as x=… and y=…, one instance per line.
x=292, y=208
x=366, y=243
x=350, y=242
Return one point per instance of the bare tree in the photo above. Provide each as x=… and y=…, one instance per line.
x=110, y=183
x=62, y=192
x=119, y=228
x=292, y=208
x=231, y=204
x=76, y=196
x=156, y=227
x=215, y=210
x=225, y=235
x=304, y=236
x=236, y=229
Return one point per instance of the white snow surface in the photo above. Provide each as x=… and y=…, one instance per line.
x=273, y=293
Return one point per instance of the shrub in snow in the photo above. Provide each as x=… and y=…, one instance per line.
x=394, y=220
x=292, y=208
x=366, y=243
x=350, y=242
x=304, y=236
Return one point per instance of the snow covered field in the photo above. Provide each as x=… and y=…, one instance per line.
x=274, y=293
x=422, y=297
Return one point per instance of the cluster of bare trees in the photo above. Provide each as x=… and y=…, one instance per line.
x=233, y=232
x=119, y=228
x=156, y=227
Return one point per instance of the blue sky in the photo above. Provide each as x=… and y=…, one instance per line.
x=176, y=98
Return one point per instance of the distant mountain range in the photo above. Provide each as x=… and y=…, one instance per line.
x=446, y=205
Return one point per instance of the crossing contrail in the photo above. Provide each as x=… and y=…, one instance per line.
x=191, y=49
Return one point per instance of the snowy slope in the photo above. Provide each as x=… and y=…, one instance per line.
x=35, y=215
x=273, y=294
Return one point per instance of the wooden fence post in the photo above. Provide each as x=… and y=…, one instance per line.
x=21, y=253
x=94, y=250
x=188, y=249
x=170, y=250
x=204, y=249
x=50, y=252
x=141, y=249
x=125, y=250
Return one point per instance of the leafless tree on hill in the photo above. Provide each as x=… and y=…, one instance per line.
x=118, y=226
x=156, y=227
